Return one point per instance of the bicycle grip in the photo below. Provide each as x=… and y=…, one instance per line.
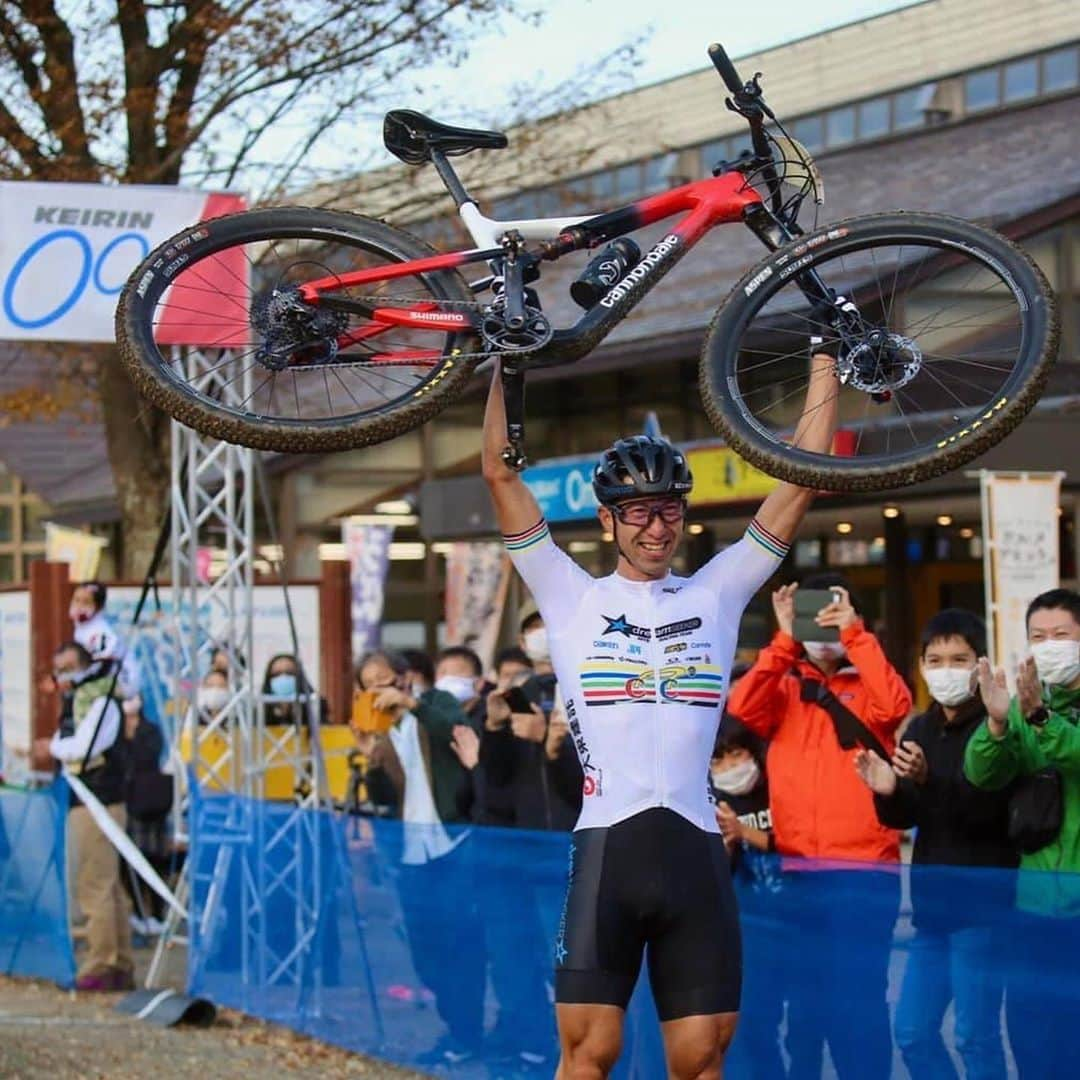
x=722, y=63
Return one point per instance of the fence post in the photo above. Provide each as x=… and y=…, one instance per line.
x=50, y=627
x=335, y=639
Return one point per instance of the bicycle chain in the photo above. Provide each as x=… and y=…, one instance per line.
x=401, y=301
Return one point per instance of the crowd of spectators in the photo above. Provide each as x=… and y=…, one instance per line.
x=818, y=762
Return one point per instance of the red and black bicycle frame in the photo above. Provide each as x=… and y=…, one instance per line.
x=723, y=200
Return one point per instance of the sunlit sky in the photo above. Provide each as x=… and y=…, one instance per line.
x=575, y=31
x=573, y=34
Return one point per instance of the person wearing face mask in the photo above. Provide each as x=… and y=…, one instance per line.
x=519, y=749
x=287, y=693
x=87, y=743
x=1039, y=727
x=213, y=695
x=1032, y=740
x=817, y=702
x=149, y=799
x=952, y=954
x=738, y=784
x=417, y=769
x=820, y=808
x=96, y=633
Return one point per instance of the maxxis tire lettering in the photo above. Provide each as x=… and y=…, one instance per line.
x=146, y=284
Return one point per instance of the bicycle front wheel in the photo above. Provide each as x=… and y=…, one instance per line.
x=957, y=332
x=214, y=329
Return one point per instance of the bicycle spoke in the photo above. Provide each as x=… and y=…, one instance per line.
x=948, y=334
x=224, y=297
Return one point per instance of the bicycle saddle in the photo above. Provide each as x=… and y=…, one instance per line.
x=412, y=137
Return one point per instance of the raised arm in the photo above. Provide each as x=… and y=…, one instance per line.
x=783, y=510
x=515, y=506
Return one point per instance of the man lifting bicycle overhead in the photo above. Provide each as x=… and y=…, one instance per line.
x=643, y=658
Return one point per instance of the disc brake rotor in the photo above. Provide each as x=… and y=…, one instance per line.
x=881, y=363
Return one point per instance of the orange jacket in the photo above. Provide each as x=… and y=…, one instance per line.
x=820, y=807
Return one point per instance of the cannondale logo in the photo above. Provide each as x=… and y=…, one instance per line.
x=642, y=270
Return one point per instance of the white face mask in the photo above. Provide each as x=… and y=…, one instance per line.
x=823, y=650
x=462, y=687
x=212, y=698
x=949, y=686
x=738, y=779
x=1057, y=662
x=535, y=644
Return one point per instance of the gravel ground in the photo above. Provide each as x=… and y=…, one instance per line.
x=46, y=1031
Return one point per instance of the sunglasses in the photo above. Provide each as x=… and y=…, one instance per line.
x=670, y=512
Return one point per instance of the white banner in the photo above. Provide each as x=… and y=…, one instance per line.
x=1020, y=545
x=67, y=249
x=367, y=547
x=16, y=731
x=477, y=576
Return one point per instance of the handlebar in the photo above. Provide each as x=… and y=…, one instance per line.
x=722, y=63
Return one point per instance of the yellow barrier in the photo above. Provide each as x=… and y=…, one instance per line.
x=220, y=765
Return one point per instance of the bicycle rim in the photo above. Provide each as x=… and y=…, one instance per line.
x=232, y=335
x=952, y=334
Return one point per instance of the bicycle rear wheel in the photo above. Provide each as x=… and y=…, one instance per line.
x=212, y=329
x=958, y=334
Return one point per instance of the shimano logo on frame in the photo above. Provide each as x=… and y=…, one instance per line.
x=643, y=269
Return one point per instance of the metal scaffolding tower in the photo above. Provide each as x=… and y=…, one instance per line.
x=269, y=860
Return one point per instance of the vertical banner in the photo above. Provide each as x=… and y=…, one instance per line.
x=367, y=547
x=1020, y=555
x=477, y=576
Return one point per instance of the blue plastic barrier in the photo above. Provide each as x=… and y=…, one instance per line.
x=843, y=976
x=34, y=935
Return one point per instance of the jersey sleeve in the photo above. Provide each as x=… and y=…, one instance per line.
x=554, y=579
x=736, y=573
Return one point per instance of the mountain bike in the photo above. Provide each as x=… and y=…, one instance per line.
x=306, y=330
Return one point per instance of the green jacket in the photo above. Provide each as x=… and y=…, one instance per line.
x=1024, y=749
x=437, y=713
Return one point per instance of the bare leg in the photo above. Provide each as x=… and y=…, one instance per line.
x=695, y=1045
x=590, y=1040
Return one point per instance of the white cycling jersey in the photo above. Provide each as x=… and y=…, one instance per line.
x=643, y=669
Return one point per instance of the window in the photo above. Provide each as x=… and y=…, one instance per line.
x=660, y=172
x=627, y=181
x=908, y=107
x=840, y=126
x=874, y=118
x=810, y=131
x=603, y=185
x=1061, y=70
x=982, y=90
x=34, y=515
x=1022, y=79
x=7, y=567
x=7, y=523
x=712, y=153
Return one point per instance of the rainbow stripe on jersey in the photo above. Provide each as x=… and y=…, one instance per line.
x=769, y=541
x=616, y=682
x=532, y=536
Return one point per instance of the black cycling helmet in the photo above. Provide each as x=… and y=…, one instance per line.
x=638, y=466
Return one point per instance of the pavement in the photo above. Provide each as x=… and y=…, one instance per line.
x=47, y=1031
